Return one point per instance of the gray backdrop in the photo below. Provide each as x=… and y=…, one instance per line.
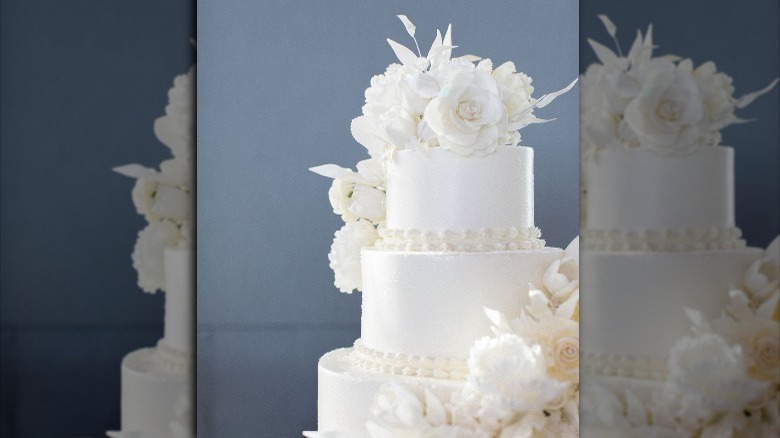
x=742, y=38
x=81, y=85
x=278, y=83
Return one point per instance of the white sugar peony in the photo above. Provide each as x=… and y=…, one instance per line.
x=708, y=375
x=345, y=253
x=516, y=90
x=467, y=115
x=148, y=254
x=511, y=375
x=176, y=129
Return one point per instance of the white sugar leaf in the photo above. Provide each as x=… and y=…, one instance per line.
x=498, y=319
x=424, y=84
x=635, y=410
x=406, y=56
x=604, y=53
x=773, y=250
x=767, y=309
x=434, y=410
x=408, y=25
x=698, y=318
x=470, y=58
x=548, y=98
x=608, y=24
x=448, y=41
x=364, y=130
x=750, y=97
x=573, y=249
x=332, y=171
x=567, y=308
x=133, y=170
x=649, y=35
x=436, y=43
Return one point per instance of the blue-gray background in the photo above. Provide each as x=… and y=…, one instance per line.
x=278, y=83
x=742, y=38
x=81, y=85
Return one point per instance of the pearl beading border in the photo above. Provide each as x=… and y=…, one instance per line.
x=616, y=365
x=668, y=240
x=171, y=359
x=487, y=239
x=403, y=364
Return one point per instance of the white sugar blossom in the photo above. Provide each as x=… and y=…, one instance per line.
x=562, y=278
x=762, y=278
x=148, y=253
x=659, y=103
x=511, y=375
x=344, y=254
x=468, y=114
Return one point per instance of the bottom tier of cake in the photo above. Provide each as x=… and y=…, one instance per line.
x=155, y=394
x=346, y=392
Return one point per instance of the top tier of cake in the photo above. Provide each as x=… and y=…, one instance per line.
x=439, y=198
x=640, y=200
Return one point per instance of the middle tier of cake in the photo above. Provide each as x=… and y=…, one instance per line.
x=432, y=304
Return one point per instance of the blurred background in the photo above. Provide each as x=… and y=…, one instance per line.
x=278, y=85
x=742, y=39
x=81, y=85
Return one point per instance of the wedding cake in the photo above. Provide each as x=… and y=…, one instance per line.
x=158, y=382
x=469, y=322
x=681, y=330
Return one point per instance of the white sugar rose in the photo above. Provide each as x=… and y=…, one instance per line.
x=467, y=115
x=561, y=279
x=344, y=254
x=340, y=199
x=511, y=375
x=148, y=254
x=765, y=354
x=762, y=278
x=369, y=203
x=667, y=114
x=143, y=194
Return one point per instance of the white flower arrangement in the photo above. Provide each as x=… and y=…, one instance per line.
x=460, y=104
x=522, y=382
x=662, y=104
x=164, y=197
x=723, y=381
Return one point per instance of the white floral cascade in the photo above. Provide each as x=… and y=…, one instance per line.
x=460, y=104
x=522, y=382
x=662, y=104
x=164, y=197
x=723, y=381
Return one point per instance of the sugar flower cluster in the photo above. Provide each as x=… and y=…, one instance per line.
x=460, y=104
x=663, y=103
x=164, y=196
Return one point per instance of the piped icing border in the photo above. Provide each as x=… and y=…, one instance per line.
x=691, y=239
x=171, y=359
x=488, y=239
x=403, y=364
x=616, y=365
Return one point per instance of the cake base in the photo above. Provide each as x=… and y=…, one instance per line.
x=346, y=392
x=150, y=394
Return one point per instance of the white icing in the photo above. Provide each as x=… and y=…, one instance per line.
x=173, y=360
x=150, y=393
x=693, y=239
x=615, y=365
x=179, y=299
x=635, y=301
x=635, y=190
x=408, y=364
x=460, y=241
x=431, y=304
x=439, y=190
x=346, y=392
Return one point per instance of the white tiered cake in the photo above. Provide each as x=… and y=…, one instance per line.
x=681, y=335
x=440, y=237
x=158, y=382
